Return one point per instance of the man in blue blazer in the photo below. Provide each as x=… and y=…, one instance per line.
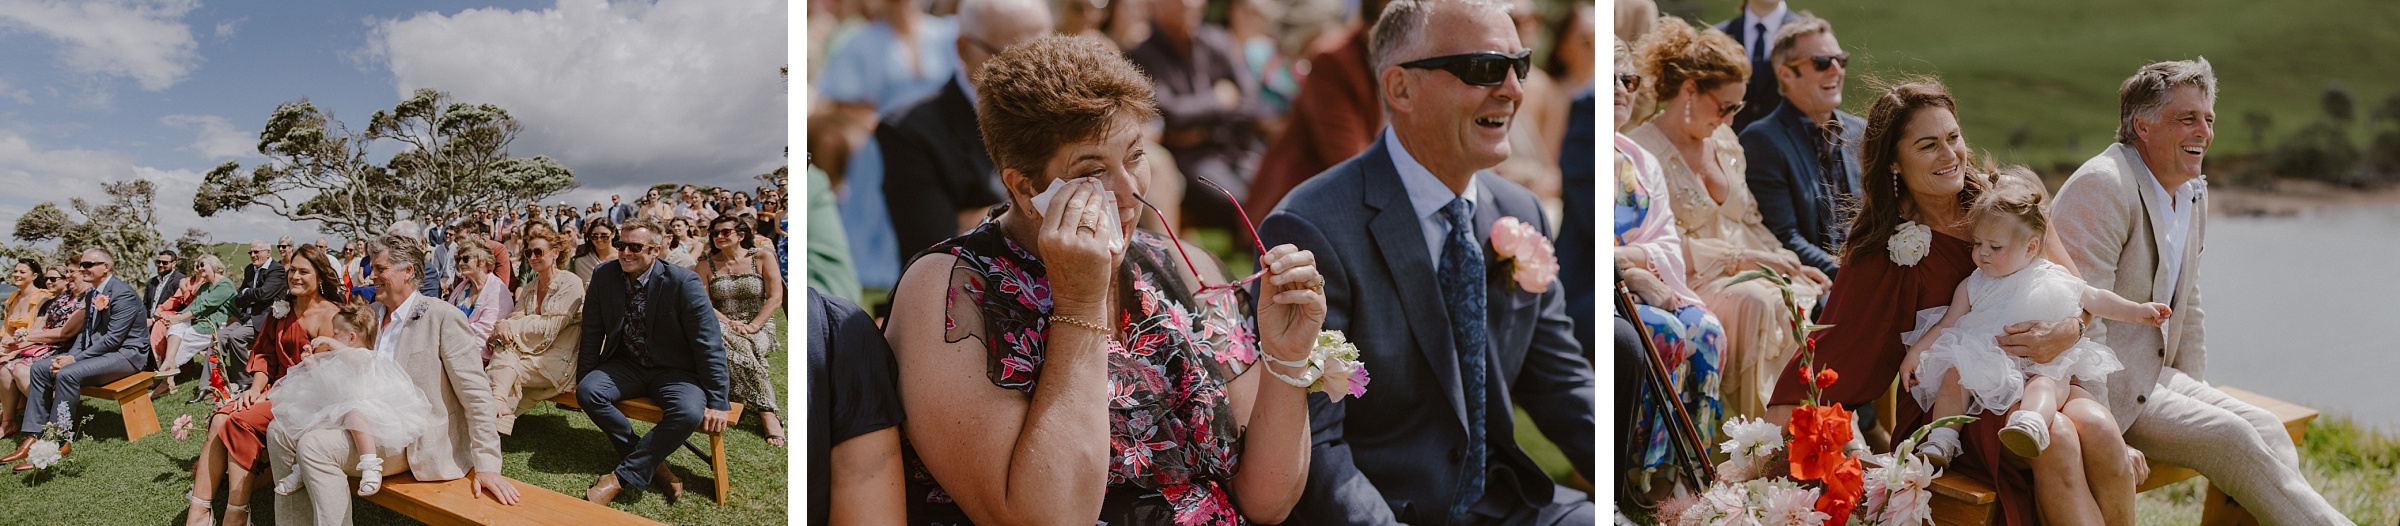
x=649, y=331
x=1755, y=28
x=1797, y=197
x=115, y=342
x=1453, y=343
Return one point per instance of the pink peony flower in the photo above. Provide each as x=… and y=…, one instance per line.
x=1535, y=261
x=1344, y=378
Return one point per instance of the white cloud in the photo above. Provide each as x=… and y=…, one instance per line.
x=30, y=175
x=225, y=29
x=218, y=139
x=144, y=40
x=625, y=93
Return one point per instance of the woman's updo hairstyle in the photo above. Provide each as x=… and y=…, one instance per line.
x=1675, y=52
x=2016, y=197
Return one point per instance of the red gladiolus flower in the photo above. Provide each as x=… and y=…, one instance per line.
x=1843, y=487
x=1825, y=378
x=1818, y=435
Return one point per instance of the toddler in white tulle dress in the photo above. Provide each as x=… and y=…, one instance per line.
x=1956, y=366
x=343, y=386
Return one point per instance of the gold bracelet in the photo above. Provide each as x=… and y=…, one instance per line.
x=1094, y=327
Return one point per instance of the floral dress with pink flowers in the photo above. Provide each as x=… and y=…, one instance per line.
x=1173, y=441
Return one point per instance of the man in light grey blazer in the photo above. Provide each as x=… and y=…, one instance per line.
x=2135, y=219
x=429, y=339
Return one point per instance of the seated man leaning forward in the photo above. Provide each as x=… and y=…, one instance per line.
x=2134, y=218
x=428, y=338
x=648, y=331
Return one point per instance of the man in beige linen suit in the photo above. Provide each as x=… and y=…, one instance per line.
x=429, y=339
x=2135, y=220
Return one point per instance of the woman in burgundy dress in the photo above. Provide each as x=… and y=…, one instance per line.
x=237, y=433
x=1920, y=175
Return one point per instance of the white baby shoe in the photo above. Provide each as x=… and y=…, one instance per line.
x=1940, y=446
x=370, y=474
x=2026, y=435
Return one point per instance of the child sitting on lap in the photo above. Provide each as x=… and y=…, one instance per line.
x=343, y=386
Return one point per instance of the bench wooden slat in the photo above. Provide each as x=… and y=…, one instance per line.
x=647, y=411
x=454, y=502
x=132, y=395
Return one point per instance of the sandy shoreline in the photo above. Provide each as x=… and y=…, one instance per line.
x=2289, y=197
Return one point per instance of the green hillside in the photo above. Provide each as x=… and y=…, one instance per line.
x=2047, y=72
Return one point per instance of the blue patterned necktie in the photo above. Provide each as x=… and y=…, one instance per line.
x=1462, y=288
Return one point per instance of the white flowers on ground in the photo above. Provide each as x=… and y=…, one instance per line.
x=1910, y=243
x=43, y=454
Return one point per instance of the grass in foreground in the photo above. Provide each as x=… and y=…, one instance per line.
x=110, y=481
x=2351, y=465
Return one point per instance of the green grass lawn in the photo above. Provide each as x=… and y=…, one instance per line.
x=2052, y=68
x=2351, y=465
x=110, y=481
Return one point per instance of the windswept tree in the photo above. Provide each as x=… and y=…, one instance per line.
x=126, y=226
x=454, y=157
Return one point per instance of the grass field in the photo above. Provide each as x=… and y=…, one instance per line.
x=110, y=481
x=2351, y=465
x=2050, y=70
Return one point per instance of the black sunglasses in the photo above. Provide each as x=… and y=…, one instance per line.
x=630, y=247
x=1822, y=62
x=1484, y=68
x=88, y=264
x=1629, y=82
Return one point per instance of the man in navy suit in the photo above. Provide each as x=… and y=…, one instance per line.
x=649, y=331
x=1400, y=233
x=115, y=342
x=1797, y=196
x=937, y=179
x=1755, y=28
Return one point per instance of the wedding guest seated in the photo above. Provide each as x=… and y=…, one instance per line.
x=1798, y=198
x=164, y=284
x=193, y=326
x=236, y=445
x=114, y=343
x=853, y=417
x=1019, y=381
x=533, y=351
x=1649, y=258
x=599, y=246
x=649, y=331
x=481, y=293
x=746, y=297
x=430, y=342
x=59, y=313
x=1697, y=76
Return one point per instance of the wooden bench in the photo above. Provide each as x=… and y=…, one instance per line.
x=455, y=502
x=644, y=410
x=132, y=395
x=1960, y=500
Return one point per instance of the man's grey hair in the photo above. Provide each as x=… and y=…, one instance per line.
x=975, y=16
x=1804, y=24
x=2148, y=91
x=400, y=249
x=105, y=257
x=1399, y=33
x=407, y=228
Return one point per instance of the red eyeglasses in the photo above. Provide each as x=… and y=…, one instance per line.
x=1187, y=258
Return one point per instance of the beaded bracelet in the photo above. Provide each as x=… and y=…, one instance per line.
x=1094, y=327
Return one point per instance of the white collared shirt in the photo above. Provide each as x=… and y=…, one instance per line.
x=1427, y=195
x=387, y=340
x=2176, y=214
x=1764, y=39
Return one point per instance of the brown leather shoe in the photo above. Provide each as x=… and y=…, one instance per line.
x=671, y=484
x=22, y=450
x=603, y=490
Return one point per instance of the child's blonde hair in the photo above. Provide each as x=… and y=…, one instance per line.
x=359, y=318
x=2017, y=196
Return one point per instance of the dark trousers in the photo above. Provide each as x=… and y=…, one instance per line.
x=677, y=394
x=233, y=354
x=51, y=397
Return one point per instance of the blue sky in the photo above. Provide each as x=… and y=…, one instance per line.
x=626, y=93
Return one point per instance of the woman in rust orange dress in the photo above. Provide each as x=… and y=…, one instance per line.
x=236, y=446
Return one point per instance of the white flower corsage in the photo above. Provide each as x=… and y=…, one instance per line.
x=1332, y=367
x=1910, y=243
x=281, y=308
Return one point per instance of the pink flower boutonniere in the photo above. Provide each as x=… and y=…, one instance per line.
x=1533, y=263
x=99, y=302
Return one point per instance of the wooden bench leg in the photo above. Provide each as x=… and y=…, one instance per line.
x=2219, y=509
x=716, y=462
x=140, y=419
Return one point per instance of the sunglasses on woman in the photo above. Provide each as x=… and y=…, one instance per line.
x=1822, y=62
x=1484, y=68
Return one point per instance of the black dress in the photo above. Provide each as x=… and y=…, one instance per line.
x=853, y=388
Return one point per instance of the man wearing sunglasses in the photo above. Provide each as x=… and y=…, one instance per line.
x=1755, y=28
x=1401, y=232
x=264, y=280
x=115, y=342
x=1797, y=183
x=165, y=283
x=649, y=331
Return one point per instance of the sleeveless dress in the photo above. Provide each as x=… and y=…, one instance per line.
x=55, y=312
x=1996, y=379
x=279, y=347
x=1172, y=437
x=742, y=296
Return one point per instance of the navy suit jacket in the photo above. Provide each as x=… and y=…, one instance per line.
x=119, y=332
x=1762, y=97
x=1796, y=198
x=1396, y=454
x=934, y=166
x=683, y=335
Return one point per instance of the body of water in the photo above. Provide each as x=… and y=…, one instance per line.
x=2307, y=309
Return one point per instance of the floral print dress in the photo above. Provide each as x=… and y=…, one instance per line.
x=1173, y=442
x=1690, y=340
